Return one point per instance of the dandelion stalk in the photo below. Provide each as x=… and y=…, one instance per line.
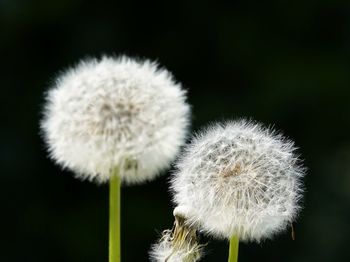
x=233, y=250
x=114, y=217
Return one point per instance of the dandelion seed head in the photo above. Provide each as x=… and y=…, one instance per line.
x=115, y=112
x=239, y=178
x=177, y=245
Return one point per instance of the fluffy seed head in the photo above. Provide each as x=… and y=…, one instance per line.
x=239, y=178
x=177, y=245
x=115, y=113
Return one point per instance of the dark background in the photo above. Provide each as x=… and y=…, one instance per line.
x=285, y=63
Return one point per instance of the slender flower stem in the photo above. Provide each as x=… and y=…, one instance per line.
x=114, y=217
x=233, y=252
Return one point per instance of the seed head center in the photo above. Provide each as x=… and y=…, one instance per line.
x=231, y=171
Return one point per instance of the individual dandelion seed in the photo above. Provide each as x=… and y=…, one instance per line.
x=116, y=120
x=115, y=112
x=239, y=180
x=177, y=245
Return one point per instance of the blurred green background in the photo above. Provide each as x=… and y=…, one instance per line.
x=285, y=63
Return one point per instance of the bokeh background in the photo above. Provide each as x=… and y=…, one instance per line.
x=284, y=63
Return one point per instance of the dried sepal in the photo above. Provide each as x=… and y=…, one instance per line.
x=180, y=244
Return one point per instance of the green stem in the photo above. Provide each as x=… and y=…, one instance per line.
x=233, y=252
x=114, y=217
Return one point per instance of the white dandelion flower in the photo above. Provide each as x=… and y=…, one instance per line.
x=115, y=113
x=239, y=179
x=177, y=245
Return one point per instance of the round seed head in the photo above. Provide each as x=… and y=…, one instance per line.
x=239, y=178
x=115, y=113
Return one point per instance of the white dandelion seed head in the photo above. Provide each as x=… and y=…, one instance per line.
x=177, y=245
x=239, y=178
x=115, y=112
